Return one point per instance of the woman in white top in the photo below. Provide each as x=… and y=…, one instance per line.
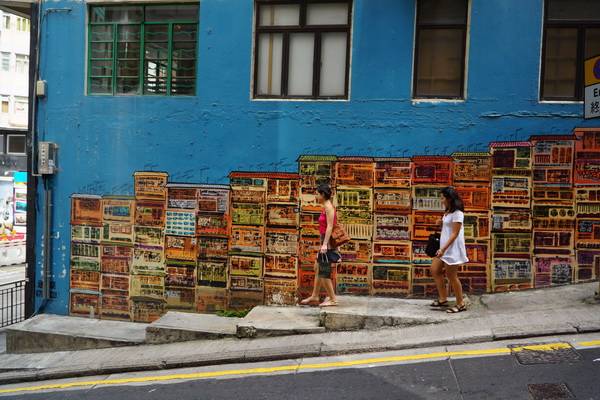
x=452, y=253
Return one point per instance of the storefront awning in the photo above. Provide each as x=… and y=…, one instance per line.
x=21, y=8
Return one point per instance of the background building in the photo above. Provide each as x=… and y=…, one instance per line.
x=198, y=92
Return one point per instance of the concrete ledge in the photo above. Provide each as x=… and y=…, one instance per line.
x=181, y=327
x=265, y=321
x=46, y=332
x=524, y=331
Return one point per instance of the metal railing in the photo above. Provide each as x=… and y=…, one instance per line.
x=12, y=303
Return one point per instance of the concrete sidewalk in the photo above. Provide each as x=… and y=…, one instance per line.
x=565, y=310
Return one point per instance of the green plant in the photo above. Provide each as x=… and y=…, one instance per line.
x=233, y=313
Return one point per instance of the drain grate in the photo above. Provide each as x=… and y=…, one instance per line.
x=545, y=353
x=550, y=391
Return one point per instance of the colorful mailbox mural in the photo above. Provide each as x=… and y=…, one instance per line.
x=532, y=219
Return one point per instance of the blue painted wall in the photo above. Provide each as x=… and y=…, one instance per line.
x=103, y=140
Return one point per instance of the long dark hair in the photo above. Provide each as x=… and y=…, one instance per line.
x=455, y=202
x=325, y=190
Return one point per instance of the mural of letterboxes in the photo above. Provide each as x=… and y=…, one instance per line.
x=552, y=195
x=391, y=280
x=213, y=199
x=425, y=223
x=432, y=170
x=115, y=306
x=553, y=160
x=180, y=274
x=150, y=185
x=240, y=300
x=306, y=279
x=180, y=223
x=118, y=233
x=182, y=196
x=587, y=157
x=353, y=278
x=146, y=310
x=283, y=188
x=588, y=264
x=211, y=273
x=280, y=291
x=281, y=241
x=392, y=201
x=248, y=239
x=85, y=280
x=314, y=170
x=85, y=256
x=213, y=247
x=84, y=304
x=472, y=167
x=422, y=282
x=355, y=171
x=309, y=224
x=210, y=299
x=86, y=210
x=588, y=201
x=511, y=274
x=357, y=223
x=508, y=156
x=587, y=233
x=148, y=260
x=149, y=236
x=285, y=215
x=86, y=234
x=427, y=198
x=392, y=252
x=356, y=251
x=212, y=225
x=150, y=213
x=181, y=248
x=511, y=191
x=308, y=248
x=553, y=270
x=506, y=220
x=147, y=287
x=508, y=245
x=180, y=298
x=474, y=275
x=248, y=187
x=246, y=283
x=116, y=259
x=281, y=265
x=354, y=198
x=474, y=197
x=247, y=214
x=392, y=172
x=246, y=266
x=118, y=209
x=392, y=228
x=553, y=229
x=476, y=226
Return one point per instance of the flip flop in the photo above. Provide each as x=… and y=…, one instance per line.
x=328, y=303
x=457, y=309
x=308, y=301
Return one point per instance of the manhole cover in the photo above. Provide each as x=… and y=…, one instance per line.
x=549, y=391
x=544, y=353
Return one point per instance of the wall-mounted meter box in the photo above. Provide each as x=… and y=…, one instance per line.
x=47, y=158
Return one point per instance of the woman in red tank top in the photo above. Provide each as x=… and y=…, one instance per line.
x=326, y=255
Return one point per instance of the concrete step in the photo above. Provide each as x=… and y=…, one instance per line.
x=181, y=326
x=48, y=333
x=354, y=313
x=264, y=321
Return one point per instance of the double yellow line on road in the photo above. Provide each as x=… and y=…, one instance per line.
x=295, y=367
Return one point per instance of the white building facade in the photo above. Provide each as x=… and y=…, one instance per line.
x=14, y=70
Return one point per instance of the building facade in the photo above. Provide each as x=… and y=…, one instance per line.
x=191, y=137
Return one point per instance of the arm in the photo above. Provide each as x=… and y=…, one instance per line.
x=330, y=213
x=455, y=231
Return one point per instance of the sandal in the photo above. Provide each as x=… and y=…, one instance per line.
x=329, y=303
x=439, y=304
x=457, y=309
x=309, y=300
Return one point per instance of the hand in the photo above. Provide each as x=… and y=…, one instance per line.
x=440, y=252
x=323, y=248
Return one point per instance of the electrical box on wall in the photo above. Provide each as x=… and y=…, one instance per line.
x=47, y=158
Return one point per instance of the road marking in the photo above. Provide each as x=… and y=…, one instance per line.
x=286, y=368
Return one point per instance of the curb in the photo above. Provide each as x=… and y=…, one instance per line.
x=275, y=354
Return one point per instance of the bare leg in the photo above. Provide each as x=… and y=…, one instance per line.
x=452, y=272
x=329, y=288
x=437, y=270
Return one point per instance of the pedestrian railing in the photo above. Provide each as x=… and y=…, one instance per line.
x=12, y=303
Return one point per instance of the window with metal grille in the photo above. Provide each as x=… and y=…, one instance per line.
x=440, y=49
x=143, y=50
x=302, y=49
x=571, y=35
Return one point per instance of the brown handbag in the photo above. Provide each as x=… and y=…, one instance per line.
x=338, y=236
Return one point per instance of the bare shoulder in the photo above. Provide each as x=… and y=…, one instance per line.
x=329, y=207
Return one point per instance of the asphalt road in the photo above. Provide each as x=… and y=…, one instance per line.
x=479, y=378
